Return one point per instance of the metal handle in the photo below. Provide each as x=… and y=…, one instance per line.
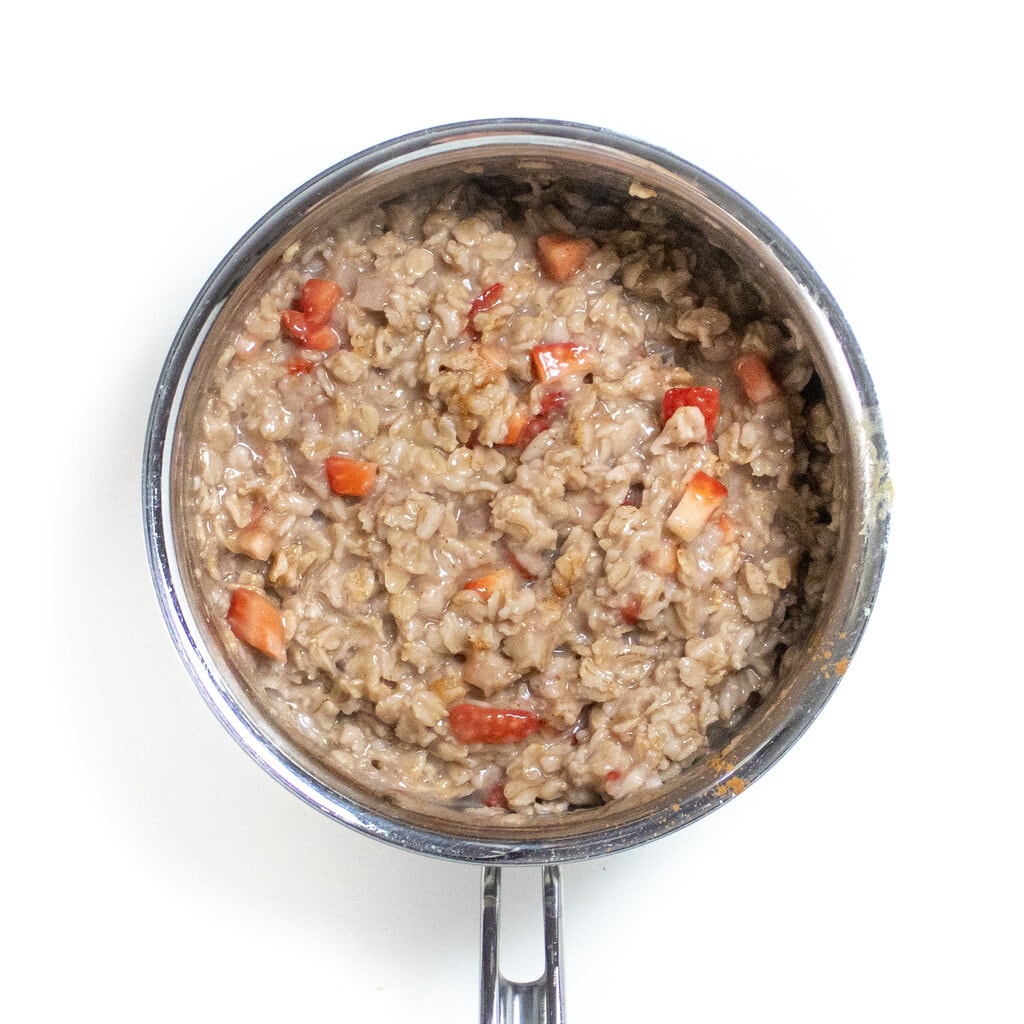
x=513, y=1002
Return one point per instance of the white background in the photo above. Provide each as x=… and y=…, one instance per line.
x=152, y=872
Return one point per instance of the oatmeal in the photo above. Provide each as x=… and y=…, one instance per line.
x=504, y=497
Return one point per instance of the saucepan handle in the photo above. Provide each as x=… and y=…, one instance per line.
x=512, y=1002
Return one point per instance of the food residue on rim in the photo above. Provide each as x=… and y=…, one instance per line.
x=731, y=787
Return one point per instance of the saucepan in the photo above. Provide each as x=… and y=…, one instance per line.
x=737, y=751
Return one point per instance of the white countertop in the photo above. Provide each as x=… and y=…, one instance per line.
x=154, y=873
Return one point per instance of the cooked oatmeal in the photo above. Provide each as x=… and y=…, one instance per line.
x=505, y=497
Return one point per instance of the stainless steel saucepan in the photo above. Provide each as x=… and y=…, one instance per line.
x=777, y=270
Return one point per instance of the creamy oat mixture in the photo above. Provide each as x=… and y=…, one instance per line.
x=504, y=498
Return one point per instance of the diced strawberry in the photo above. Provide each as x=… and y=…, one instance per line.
x=488, y=299
x=254, y=620
x=553, y=401
x=308, y=324
x=562, y=256
x=295, y=325
x=256, y=539
x=491, y=583
x=559, y=358
x=317, y=301
x=353, y=477
x=495, y=796
x=757, y=380
x=612, y=776
x=296, y=365
x=705, y=399
x=478, y=723
x=256, y=542
x=322, y=339
x=516, y=422
x=531, y=428
x=702, y=495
